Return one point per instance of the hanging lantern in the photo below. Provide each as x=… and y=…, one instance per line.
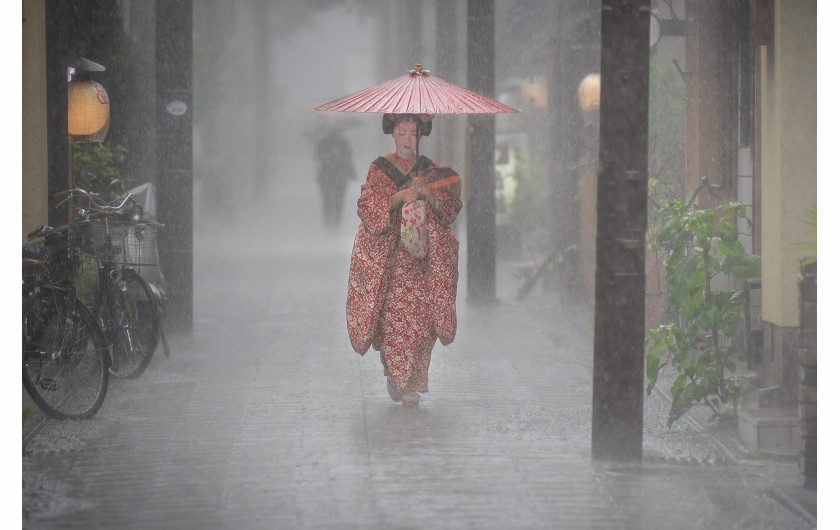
x=87, y=108
x=589, y=92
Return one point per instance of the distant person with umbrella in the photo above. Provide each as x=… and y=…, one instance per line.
x=404, y=263
x=335, y=170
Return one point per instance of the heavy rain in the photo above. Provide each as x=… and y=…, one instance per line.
x=635, y=294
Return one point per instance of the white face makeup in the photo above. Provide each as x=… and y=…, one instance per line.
x=405, y=138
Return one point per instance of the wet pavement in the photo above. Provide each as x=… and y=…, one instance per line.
x=264, y=417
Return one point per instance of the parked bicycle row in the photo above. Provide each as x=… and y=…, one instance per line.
x=93, y=299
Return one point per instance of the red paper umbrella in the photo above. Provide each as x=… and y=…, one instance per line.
x=417, y=92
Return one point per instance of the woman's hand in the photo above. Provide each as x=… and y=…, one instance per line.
x=423, y=192
x=419, y=186
x=407, y=196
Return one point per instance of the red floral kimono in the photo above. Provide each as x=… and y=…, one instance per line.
x=397, y=303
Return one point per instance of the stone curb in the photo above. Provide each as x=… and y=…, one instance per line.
x=803, y=507
x=801, y=502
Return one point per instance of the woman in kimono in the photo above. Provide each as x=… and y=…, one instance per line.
x=404, y=264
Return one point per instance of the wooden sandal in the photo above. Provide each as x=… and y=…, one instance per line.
x=411, y=399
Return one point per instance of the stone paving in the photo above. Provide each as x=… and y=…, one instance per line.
x=264, y=417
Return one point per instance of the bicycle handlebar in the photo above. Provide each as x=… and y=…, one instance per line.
x=98, y=211
x=99, y=215
x=101, y=206
x=75, y=192
x=704, y=183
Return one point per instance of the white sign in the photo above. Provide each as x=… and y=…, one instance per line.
x=176, y=108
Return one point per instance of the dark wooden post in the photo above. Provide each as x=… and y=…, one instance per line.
x=173, y=78
x=413, y=32
x=446, y=44
x=711, y=102
x=481, y=148
x=572, y=45
x=618, y=379
x=58, y=148
x=264, y=98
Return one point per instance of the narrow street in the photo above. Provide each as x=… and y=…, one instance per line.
x=264, y=417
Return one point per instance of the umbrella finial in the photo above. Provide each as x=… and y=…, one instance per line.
x=418, y=69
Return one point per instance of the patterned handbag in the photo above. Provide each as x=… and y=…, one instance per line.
x=414, y=229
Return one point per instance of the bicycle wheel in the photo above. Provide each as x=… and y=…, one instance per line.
x=134, y=321
x=65, y=356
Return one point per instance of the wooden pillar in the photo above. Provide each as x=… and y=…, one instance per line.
x=575, y=52
x=618, y=368
x=264, y=100
x=481, y=146
x=711, y=90
x=58, y=149
x=173, y=78
x=446, y=45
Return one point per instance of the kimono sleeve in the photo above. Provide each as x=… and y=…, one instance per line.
x=374, y=203
x=446, y=207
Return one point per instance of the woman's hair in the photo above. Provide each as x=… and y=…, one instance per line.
x=389, y=121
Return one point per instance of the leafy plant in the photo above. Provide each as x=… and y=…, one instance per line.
x=809, y=247
x=97, y=167
x=697, y=344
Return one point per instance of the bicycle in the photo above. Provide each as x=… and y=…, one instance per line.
x=123, y=302
x=65, y=355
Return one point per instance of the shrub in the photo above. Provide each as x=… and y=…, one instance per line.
x=704, y=244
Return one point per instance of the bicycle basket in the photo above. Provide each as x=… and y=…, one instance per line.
x=130, y=243
x=33, y=260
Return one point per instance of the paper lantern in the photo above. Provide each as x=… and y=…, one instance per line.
x=87, y=108
x=589, y=92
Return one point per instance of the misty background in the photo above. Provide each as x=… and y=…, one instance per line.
x=260, y=68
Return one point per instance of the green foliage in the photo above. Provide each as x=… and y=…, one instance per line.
x=96, y=166
x=28, y=414
x=705, y=244
x=809, y=246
